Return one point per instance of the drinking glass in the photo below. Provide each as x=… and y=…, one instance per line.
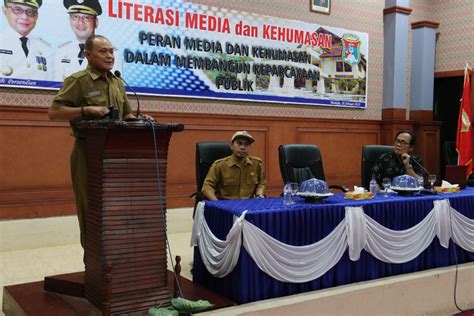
x=294, y=188
x=432, y=180
x=386, y=182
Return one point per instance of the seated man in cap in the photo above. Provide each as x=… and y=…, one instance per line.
x=83, y=19
x=238, y=176
x=23, y=56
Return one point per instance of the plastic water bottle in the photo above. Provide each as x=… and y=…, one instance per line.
x=287, y=194
x=373, y=185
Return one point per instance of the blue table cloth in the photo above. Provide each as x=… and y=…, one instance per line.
x=306, y=223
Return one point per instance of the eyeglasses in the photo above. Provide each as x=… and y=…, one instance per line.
x=19, y=11
x=79, y=17
x=401, y=142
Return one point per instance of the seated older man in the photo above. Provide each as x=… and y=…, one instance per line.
x=399, y=162
x=238, y=176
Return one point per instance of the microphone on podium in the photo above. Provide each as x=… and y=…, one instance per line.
x=138, y=115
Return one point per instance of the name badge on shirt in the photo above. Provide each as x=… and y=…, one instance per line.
x=6, y=51
x=93, y=93
x=65, y=61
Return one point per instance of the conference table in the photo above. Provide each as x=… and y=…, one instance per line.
x=305, y=223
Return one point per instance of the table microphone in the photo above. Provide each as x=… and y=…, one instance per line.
x=419, y=165
x=138, y=115
x=424, y=191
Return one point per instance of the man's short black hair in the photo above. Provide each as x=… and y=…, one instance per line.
x=412, y=136
x=90, y=41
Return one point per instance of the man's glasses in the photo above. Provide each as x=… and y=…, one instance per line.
x=401, y=142
x=81, y=17
x=19, y=11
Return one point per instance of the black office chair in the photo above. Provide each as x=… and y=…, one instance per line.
x=370, y=154
x=206, y=154
x=300, y=162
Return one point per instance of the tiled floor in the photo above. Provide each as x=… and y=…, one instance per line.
x=28, y=265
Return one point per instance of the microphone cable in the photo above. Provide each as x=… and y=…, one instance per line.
x=455, y=260
x=160, y=194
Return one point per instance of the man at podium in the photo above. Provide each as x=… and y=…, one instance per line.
x=86, y=95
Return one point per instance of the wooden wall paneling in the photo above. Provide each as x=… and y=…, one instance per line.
x=428, y=140
x=44, y=202
x=393, y=114
x=46, y=147
x=39, y=154
x=341, y=150
x=391, y=128
x=34, y=173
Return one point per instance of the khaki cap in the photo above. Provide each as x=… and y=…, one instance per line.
x=243, y=134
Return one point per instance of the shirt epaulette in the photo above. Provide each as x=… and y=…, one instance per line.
x=256, y=158
x=222, y=159
x=64, y=44
x=44, y=42
x=79, y=74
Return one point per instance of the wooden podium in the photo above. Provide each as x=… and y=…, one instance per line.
x=125, y=250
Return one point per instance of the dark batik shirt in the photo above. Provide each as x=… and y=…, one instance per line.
x=390, y=165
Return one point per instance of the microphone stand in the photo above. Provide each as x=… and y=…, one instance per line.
x=419, y=165
x=138, y=116
x=431, y=191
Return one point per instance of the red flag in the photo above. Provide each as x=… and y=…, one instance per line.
x=464, y=131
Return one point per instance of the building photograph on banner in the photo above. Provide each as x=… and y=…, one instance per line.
x=183, y=49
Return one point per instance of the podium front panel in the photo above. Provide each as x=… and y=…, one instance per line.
x=126, y=218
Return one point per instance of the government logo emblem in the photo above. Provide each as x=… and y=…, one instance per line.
x=351, y=49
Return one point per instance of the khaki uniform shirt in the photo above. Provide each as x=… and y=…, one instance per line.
x=91, y=88
x=229, y=181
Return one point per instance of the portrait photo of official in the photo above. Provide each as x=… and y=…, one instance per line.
x=83, y=18
x=22, y=55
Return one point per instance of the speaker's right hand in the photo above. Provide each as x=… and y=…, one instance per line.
x=96, y=111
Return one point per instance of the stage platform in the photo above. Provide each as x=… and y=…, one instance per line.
x=32, y=299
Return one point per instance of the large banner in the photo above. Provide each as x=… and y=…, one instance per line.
x=183, y=49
